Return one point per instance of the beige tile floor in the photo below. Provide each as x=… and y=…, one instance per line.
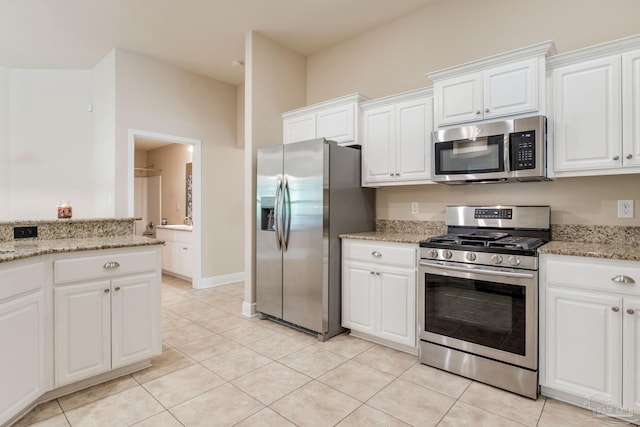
x=221, y=369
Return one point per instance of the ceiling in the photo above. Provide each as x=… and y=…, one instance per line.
x=203, y=36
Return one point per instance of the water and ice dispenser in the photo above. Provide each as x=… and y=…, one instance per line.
x=267, y=215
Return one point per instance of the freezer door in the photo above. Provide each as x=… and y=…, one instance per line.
x=305, y=262
x=268, y=253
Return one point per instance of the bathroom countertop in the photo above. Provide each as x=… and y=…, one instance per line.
x=15, y=250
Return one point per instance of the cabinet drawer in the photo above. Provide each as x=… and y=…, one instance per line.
x=105, y=265
x=592, y=273
x=397, y=254
x=19, y=277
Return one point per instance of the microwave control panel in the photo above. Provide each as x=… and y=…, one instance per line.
x=523, y=150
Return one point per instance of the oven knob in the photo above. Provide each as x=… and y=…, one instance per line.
x=433, y=253
x=447, y=254
x=514, y=260
x=470, y=256
x=496, y=259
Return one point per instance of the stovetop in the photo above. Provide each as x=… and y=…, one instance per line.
x=484, y=239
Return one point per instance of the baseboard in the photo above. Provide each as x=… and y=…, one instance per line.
x=249, y=309
x=210, y=282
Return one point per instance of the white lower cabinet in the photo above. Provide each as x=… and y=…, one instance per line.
x=22, y=336
x=590, y=333
x=379, y=291
x=177, y=258
x=109, y=322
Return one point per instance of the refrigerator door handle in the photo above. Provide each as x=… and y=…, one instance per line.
x=286, y=220
x=276, y=213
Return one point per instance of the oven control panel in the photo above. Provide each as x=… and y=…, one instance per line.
x=491, y=213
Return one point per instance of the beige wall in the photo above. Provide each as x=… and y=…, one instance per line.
x=274, y=83
x=5, y=164
x=395, y=57
x=172, y=159
x=155, y=97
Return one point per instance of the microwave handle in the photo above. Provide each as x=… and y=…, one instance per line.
x=507, y=152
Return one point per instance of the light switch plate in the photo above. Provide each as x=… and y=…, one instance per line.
x=414, y=207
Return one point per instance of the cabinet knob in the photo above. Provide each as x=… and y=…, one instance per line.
x=372, y=273
x=486, y=110
x=391, y=174
x=615, y=309
x=117, y=288
x=631, y=311
x=616, y=157
x=106, y=291
x=376, y=254
x=397, y=174
x=377, y=273
x=623, y=279
x=629, y=156
x=478, y=112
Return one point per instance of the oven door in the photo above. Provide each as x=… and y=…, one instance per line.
x=487, y=311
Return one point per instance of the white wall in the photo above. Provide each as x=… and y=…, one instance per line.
x=51, y=143
x=156, y=97
x=394, y=57
x=274, y=83
x=5, y=173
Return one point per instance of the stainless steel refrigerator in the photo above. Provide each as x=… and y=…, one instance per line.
x=307, y=194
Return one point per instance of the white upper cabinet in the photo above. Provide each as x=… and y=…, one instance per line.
x=336, y=120
x=594, y=120
x=503, y=85
x=396, y=139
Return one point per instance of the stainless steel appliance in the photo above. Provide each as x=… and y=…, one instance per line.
x=503, y=151
x=307, y=194
x=478, y=295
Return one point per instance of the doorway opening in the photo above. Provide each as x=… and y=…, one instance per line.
x=164, y=188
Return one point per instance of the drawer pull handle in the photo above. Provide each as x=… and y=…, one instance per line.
x=111, y=264
x=623, y=279
x=615, y=309
x=376, y=254
x=631, y=311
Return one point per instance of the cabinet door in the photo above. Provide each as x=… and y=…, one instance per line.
x=300, y=128
x=631, y=354
x=511, y=89
x=358, y=292
x=397, y=306
x=167, y=256
x=336, y=124
x=583, y=345
x=631, y=108
x=379, y=145
x=22, y=375
x=587, y=118
x=182, y=259
x=413, y=139
x=82, y=331
x=135, y=319
x=459, y=99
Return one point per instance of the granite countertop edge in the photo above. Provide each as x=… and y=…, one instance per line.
x=626, y=252
x=16, y=250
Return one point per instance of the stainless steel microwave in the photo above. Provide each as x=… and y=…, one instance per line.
x=503, y=151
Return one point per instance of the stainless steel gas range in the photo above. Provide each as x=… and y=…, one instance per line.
x=478, y=295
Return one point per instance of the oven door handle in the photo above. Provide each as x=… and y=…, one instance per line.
x=479, y=271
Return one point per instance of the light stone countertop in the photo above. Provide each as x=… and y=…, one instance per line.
x=14, y=250
x=387, y=236
x=628, y=252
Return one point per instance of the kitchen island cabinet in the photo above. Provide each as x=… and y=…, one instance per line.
x=590, y=333
x=379, y=292
x=107, y=309
x=24, y=323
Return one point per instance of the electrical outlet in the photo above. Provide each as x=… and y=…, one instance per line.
x=625, y=208
x=414, y=207
x=25, y=232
